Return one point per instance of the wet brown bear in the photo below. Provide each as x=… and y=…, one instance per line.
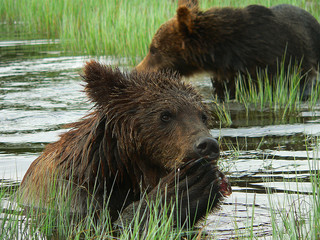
x=228, y=41
x=147, y=130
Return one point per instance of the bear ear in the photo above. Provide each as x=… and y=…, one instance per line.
x=186, y=13
x=101, y=81
x=185, y=20
x=191, y=4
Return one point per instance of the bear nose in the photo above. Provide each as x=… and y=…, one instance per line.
x=207, y=147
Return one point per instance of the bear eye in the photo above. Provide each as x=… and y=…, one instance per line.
x=204, y=118
x=166, y=117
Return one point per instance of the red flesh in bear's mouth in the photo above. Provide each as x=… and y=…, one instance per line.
x=225, y=187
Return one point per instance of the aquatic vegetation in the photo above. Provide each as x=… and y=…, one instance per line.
x=221, y=113
x=60, y=222
x=299, y=214
x=283, y=93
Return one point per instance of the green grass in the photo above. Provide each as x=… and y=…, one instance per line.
x=220, y=113
x=282, y=94
x=57, y=221
x=114, y=28
x=119, y=28
x=300, y=216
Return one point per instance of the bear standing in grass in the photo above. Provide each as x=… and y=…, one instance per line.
x=147, y=135
x=228, y=41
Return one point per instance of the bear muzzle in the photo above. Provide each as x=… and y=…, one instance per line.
x=207, y=147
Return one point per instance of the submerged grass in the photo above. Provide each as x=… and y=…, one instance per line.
x=221, y=113
x=294, y=214
x=283, y=93
x=299, y=217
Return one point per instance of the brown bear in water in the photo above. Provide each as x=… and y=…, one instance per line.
x=148, y=133
x=228, y=41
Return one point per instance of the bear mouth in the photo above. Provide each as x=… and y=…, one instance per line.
x=224, y=185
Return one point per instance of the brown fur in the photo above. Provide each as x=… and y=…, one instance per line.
x=143, y=128
x=229, y=41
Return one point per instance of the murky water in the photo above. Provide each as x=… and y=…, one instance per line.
x=40, y=91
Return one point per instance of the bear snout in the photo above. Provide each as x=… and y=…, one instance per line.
x=140, y=67
x=207, y=147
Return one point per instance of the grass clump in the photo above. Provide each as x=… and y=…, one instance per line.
x=280, y=93
x=58, y=220
x=283, y=94
x=119, y=28
x=299, y=216
x=220, y=113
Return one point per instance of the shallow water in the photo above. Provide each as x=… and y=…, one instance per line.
x=40, y=91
